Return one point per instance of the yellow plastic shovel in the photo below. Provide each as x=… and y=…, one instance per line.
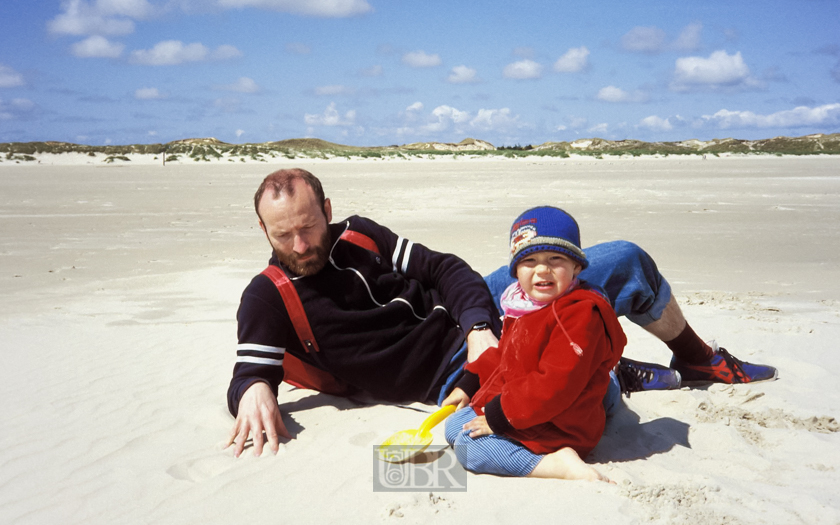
x=406, y=444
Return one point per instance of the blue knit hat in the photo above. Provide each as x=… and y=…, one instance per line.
x=545, y=229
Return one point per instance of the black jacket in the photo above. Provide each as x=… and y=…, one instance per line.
x=388, y=324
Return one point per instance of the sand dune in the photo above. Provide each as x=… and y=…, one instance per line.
x=120, y=286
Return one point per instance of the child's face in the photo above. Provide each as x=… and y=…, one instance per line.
x=546, y=275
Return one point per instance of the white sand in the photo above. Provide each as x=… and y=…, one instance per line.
x=120, y=286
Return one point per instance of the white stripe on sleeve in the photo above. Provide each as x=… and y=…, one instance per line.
x=406, y=255
x=396, y=257
x=259, y=360
x=276, y=350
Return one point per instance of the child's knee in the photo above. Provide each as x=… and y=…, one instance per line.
x=455, y=424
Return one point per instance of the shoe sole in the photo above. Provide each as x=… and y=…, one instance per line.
x=701, y=382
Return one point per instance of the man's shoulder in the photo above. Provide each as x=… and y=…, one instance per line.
x=358, y=223
x=262, y=290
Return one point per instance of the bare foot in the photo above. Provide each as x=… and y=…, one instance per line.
x=566, y=464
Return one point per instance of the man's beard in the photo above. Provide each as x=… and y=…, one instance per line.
x=311, y=266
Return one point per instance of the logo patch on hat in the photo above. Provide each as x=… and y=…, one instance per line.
x=520, y=237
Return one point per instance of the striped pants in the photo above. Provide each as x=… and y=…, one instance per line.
x=492, y=454
x=500, y=455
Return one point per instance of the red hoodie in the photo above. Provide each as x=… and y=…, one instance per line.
x=544, y=385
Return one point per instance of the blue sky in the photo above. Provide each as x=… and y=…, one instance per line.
x=379, y=72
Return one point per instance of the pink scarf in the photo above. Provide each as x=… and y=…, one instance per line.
x=516, y=303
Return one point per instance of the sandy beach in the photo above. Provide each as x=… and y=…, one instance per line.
x=120, y=285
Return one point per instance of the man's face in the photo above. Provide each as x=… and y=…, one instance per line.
x=296, y=228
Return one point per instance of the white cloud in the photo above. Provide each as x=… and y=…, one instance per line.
x=689, y=38
x=441, y=119
x=449, y=113
x=9, y=77
x=524, y=52
x=572, y=123
x=644, y=40
x=577, y=122
x=421, y=59
x=134, y=8
x=225, y=52
x=102, y=17
x=825, y=115
x=239, y=132
x=612, y=94
x=463, y=75
x=242, y=85
x=228, y=105
x=615, y=94
x=298, y=48
x=331, y=117
x=731, y=34
x=97, y=46
x=720, y=70
x=148, y=93
x=494, y=119
x=373, y=71
x=18, y=107
x=599, y=128
x=449, y=119
x=656, y=123
x=319, y=8
x=574, y=60
x=174, y=52
x=653, y=40
x=524, y=69
x=333, y=90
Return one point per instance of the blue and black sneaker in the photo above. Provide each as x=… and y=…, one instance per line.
x=635, y=376
x=723, y=368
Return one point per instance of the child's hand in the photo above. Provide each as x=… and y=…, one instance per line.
x=457, y=397
x=478, y=427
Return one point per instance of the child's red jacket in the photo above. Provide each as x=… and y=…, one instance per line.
x=539, y=388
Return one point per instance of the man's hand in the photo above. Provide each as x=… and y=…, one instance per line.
x=457, y=397
x=258, y=412
x=478, y=341
x=478, y=427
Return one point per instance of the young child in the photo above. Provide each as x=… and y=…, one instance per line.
x=538, y=399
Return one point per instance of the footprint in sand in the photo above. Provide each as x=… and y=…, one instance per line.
x=364, y=439
x=686, y=503
x=425, y=505
x=200, y=469
x=745, y=421
x=211, y=463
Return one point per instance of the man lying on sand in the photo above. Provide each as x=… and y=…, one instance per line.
x=399, y=321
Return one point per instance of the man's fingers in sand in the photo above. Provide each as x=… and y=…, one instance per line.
x=257, y=434
x=280, y=426
x=274, y=428
x=238, y=437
